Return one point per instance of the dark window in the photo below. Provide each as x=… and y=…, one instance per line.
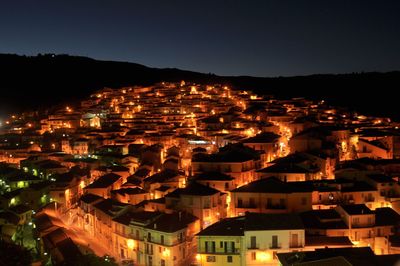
x=240, y=203
x=269, y=202
x=253, y=242
x=303, y=201
x=282, y=202
x=274, y=241
x=252, y=202
x=210, y=258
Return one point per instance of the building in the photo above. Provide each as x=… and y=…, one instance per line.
x=153, y=238
x=270, y=195
x=252, y=239
x=206, y=203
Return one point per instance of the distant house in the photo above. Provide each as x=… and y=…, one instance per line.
x=104, y=185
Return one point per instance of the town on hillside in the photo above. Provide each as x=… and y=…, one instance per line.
x=201, y=174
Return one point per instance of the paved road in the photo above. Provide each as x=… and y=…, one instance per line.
x=87, y=243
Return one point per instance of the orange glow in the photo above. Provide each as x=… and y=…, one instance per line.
x=131, y=244
x=264, y=256
x=166, y=253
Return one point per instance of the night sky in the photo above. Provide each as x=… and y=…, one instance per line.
x=259, y=38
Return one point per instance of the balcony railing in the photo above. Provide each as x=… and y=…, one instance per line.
x=219, y=252
x=247, y=206
x=275, y=246
x=275, y=207
x=257, y=246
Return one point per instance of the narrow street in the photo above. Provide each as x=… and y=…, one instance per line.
x=87, y=243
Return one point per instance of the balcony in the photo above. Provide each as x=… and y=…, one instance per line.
x=296, y=245
x=220, y=252
x=135, y=237
x=275, y=207
x=275, y=246
x=247, y=206
x=149, y=251
x=257, y=246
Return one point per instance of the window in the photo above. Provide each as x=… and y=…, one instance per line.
x=240, y=203
x=303, y=200
x=210, y=246
x=253, y=256
x=162, y=240
x=282, y=202
x=162, y=262
x=226, y=186
x=269, y=202
x=221, y=244
x=207, y=203
x=252, y=202
x=229, y=259
x=295, y=240
x=253, y=242
x=274, y=241
x=356, y=220
x=210, y=259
